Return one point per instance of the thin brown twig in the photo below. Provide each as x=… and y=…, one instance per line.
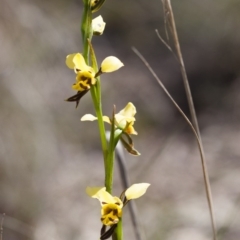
x=166, y=44
x=165, y=20
x=170, y=19
x=163, y=41
x=1, y=227
x=207, y=185
x=172, y=25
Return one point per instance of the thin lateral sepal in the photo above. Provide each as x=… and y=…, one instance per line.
x=103, y=229
x=109, y=232
x=77, y=97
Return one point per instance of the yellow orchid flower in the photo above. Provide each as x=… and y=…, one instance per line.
x=85, y=75
x=98, y=25
x=111, y=209
x=124, y=120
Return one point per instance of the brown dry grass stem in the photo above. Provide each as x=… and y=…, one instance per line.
x=1, y=227
x=170, y=21
x=205, y=172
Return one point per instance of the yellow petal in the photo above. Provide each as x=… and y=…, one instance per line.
x=88, y=117
x=76, y=61
x=118, y=202
x=106, y=119
x=130, y=130
x=136, y=190
x=69, y=60
x=94, y=191
x=111, y=64
x=101, y=194
x=98, y=25
x=128, y=111
x=123, y=119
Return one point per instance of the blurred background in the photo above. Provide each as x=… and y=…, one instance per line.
x=48, y=157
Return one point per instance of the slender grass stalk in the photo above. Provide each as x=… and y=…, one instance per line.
x=170, y=19
x=178, y=108
x=1, y=227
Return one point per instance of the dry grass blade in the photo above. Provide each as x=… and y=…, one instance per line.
x=204, y=168
x=170, y=21
x=1, y=227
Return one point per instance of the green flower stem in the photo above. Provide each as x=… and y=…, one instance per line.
x=118, y=234
x=108, y=150
x=109, y=170
x=96, y=96
x=86, y=28
x=98, y=110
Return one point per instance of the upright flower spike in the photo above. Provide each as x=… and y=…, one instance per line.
x=111, y=207
x=85, y=75
x=98, y=25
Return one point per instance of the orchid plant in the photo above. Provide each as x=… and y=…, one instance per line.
x=87, y=78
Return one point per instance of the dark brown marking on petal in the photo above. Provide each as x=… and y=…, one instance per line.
x=83, y=86
x=104, y=203
x=115, y=212
x=89, y=81
x=117, y=203
x=83, y=77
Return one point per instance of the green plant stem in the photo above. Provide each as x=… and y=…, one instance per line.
x=108, y=154
x=86, y=29
x=98, y=110
x=108, y=150
x=118, y=234
x=109, y=170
